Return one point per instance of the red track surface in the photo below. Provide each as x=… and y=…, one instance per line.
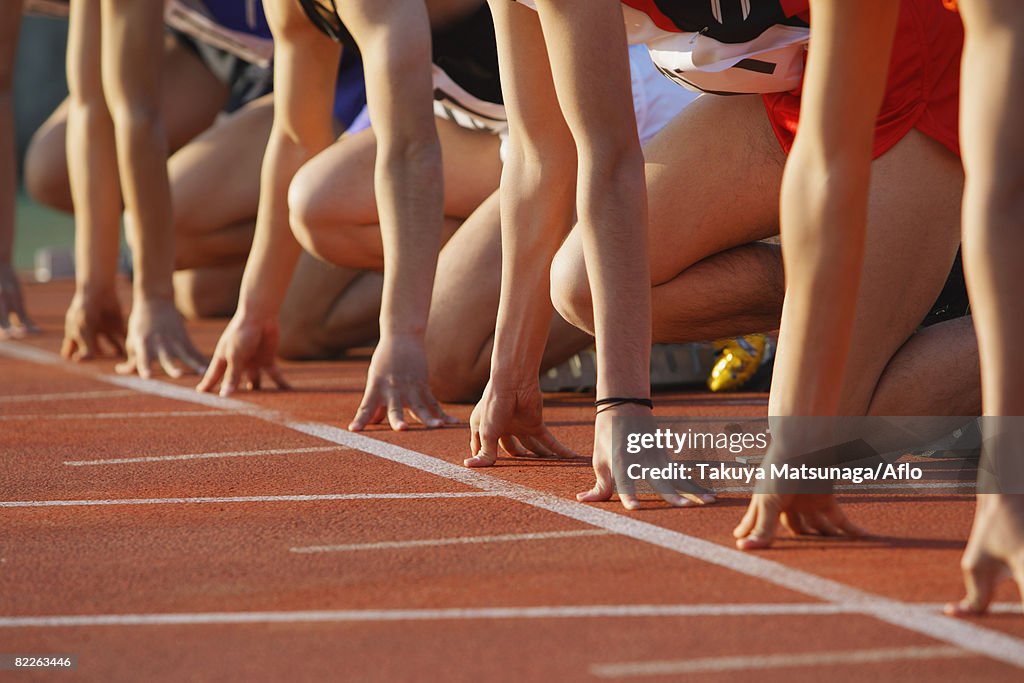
x=236, y=557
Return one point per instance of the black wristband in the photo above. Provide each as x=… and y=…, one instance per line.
x=615, y=401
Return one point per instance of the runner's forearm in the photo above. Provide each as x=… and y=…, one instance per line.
x=536, y=214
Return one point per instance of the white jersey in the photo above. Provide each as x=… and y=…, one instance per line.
x=773, y=61
x=455, y=103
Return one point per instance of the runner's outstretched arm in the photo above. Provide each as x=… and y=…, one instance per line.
x=305, y=67
x=132, y=66
x=823, y=221
x=11, y=301
x=395, y=43
x=537, y=196
x=992, y=96
x=95, y=312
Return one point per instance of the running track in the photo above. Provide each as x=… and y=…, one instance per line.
x=159, y=534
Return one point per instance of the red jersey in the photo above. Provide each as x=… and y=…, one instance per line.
x=923, y=88
x=924, y=76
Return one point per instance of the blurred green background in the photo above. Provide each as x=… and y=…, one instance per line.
x=39, y=86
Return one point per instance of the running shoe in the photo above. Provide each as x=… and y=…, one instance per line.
x=737, y=362
x=577, y=374
x=672, y=365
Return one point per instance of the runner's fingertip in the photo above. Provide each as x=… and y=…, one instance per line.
x=629, y=502
x=962, y=608
x=478, y=461
x=753, y=542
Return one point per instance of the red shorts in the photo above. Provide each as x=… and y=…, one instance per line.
x=923, y=90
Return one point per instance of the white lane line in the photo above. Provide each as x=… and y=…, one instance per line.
x=781, y=661
x=31, y=354
x=202, y=456
x=868, y=488
x=68, y=396
x=970, y=636
x=454, y=614
x=459, y=540
x=301, y=498
x=110, y=416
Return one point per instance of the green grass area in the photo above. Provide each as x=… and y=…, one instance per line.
x=37, y=227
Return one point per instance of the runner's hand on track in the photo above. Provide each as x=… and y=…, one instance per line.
x=246, y=349
x=12, y=305
x=995, y=550
x=397, y=380
x=90, y=318
x=803, y=514
x=514, y=421
x=156, y=333
x=611, y=475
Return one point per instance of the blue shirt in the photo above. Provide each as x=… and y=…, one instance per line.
x=246, y=16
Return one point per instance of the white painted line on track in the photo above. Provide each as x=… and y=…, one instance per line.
x=299, y=498
x=780, y=661
x=867, y=488
x=770, y=609
x=455, y=613
x=43, y=417
x=970, y=636
x=458, y=540
x=68, y=396
x=203, y=456
x=31, y=354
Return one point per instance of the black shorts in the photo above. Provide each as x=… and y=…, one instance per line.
x=952, y=302
x=246, y=82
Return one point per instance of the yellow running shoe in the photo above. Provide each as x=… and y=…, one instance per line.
x=739, y=360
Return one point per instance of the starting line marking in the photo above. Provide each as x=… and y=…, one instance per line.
x=972, y=637
x=759, y=662
x=456, y=613
x=867, y=488
x=459, y=540
x=68, y=396
x=111, y=416
x=202, y=456
x=299, y=498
